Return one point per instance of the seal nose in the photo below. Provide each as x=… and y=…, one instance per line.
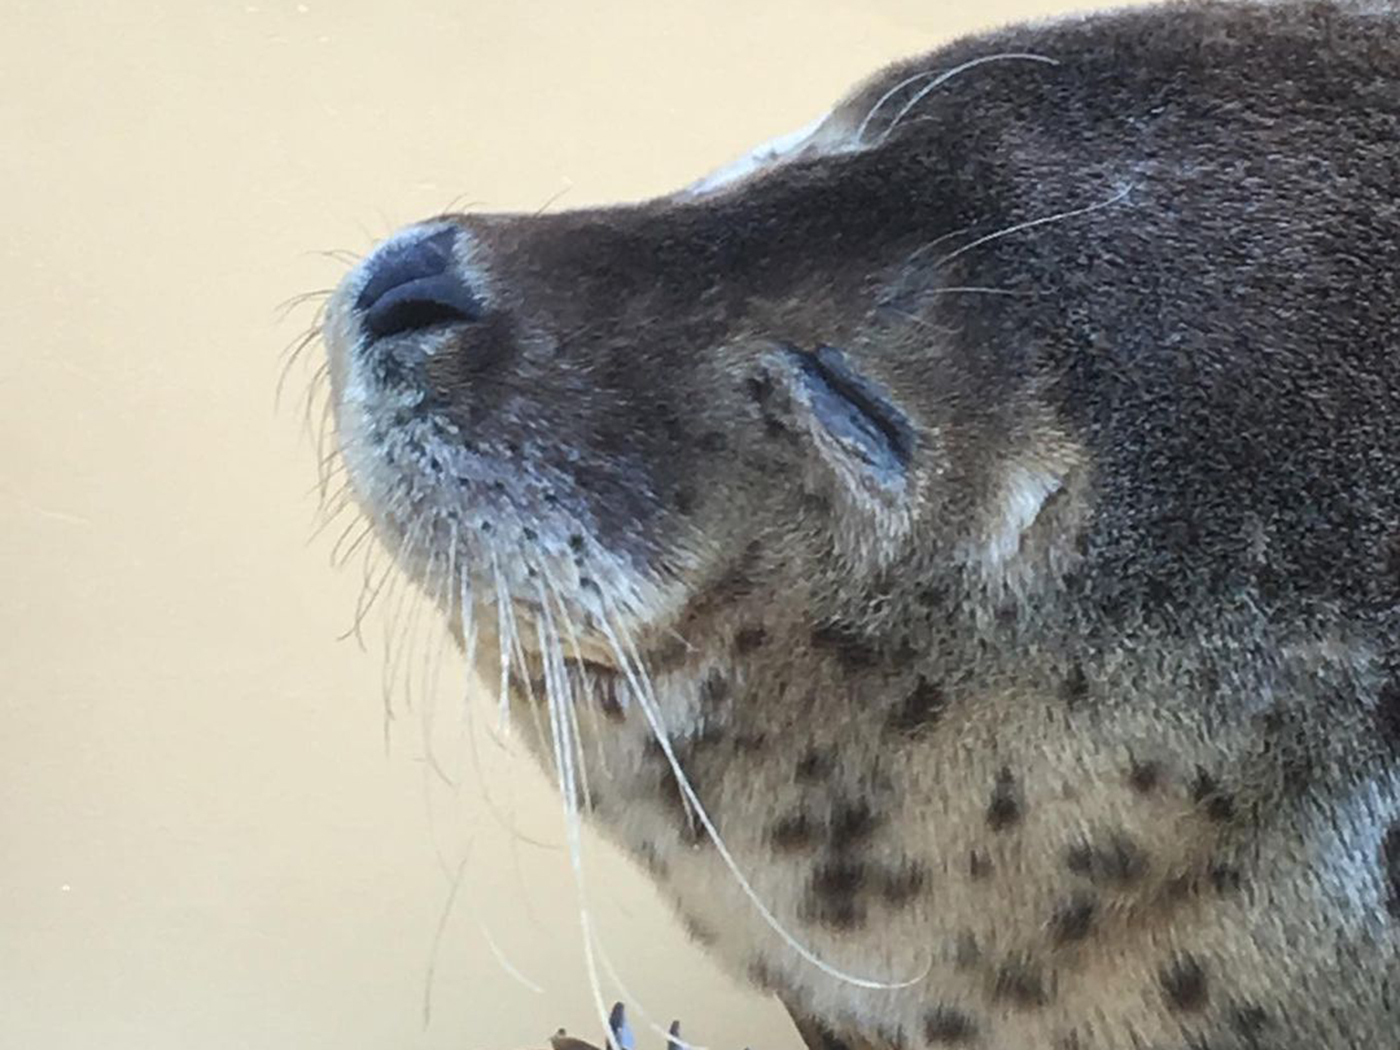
x=414, y=283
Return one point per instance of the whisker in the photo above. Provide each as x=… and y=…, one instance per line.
x=432, y=664
x=291, y=356
x=504, y=962
x=435, y=948
x=560, y=701
x=1031, y=224
x=368, y=595
x=503, y=641
x=344, y=255
x=552, y=199
x=590, y=702
x=340, y=553
x=647, y=703
x=880, y=102
x=287, y=305
x=414, y=599
x=942, y=78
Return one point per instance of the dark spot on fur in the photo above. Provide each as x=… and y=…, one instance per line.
x=851, y=649
x=1075, y=688
x=576, y=543
x=713, y=441
x=902, y=884
x=792, y=834
x=651, y=860
x=760, y=387
x=919, y=711
x=945, y=1026
x=1250, y=1022
x=714, y=690
x=1206, y=792
x=1118, y=860
x=749, y=639
x=1019, y=981
x=709, y=737
x=1074, y=920
x=967, y=954
x=699, y=932
x=979, y=865
x=1184, y=984
x=606, y=687
x=1178, y=888
x=1005, y=808
x=684, y=499
x=1145, y=777
x=852, y=822
x=1388, y=712
x=762, y=977
x=1390, y=861
x=670, y=653
x=833, y=895
x=690, y=828
x=838, y=913
x=815, y=766
x=814, y=1032
x=750, y=742
x=838, y=878
x=932, y=596
x=1225, y=878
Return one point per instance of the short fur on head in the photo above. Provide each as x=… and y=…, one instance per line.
x=958, y=546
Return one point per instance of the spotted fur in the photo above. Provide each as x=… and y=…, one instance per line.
x=976, y=521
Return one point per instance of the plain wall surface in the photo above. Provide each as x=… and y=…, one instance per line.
x=205, y=841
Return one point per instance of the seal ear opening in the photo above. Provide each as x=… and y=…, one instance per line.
x=859, y=422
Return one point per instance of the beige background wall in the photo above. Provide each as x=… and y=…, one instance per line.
x=203, y=839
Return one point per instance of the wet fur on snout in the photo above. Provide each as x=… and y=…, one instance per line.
x=979, y=527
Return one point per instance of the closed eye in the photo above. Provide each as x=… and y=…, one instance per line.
x=856, y=412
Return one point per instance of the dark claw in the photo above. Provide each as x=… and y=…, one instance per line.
x=622, y=1036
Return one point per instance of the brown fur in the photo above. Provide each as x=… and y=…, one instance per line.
x=1033, y=648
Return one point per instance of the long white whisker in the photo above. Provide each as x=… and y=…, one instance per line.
x=943, y=78
x=880, y=102
x=433, y=659
x=650, y=710
x=503, y=641
x=1031, y=224
x=504, y=962
x=559, y=699
x=435, y=948
x=590, y=702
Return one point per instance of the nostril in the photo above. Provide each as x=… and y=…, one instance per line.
x=415, y=283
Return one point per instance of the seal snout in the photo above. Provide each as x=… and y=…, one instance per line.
x=415, y=282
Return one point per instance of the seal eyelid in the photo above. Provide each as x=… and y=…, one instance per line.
x=856, y=412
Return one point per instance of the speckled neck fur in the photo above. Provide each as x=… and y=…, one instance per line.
x=995, y=491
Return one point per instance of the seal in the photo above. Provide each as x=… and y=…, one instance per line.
x=957, y=548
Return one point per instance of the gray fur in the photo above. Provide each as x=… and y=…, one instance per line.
x=1087, y=727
